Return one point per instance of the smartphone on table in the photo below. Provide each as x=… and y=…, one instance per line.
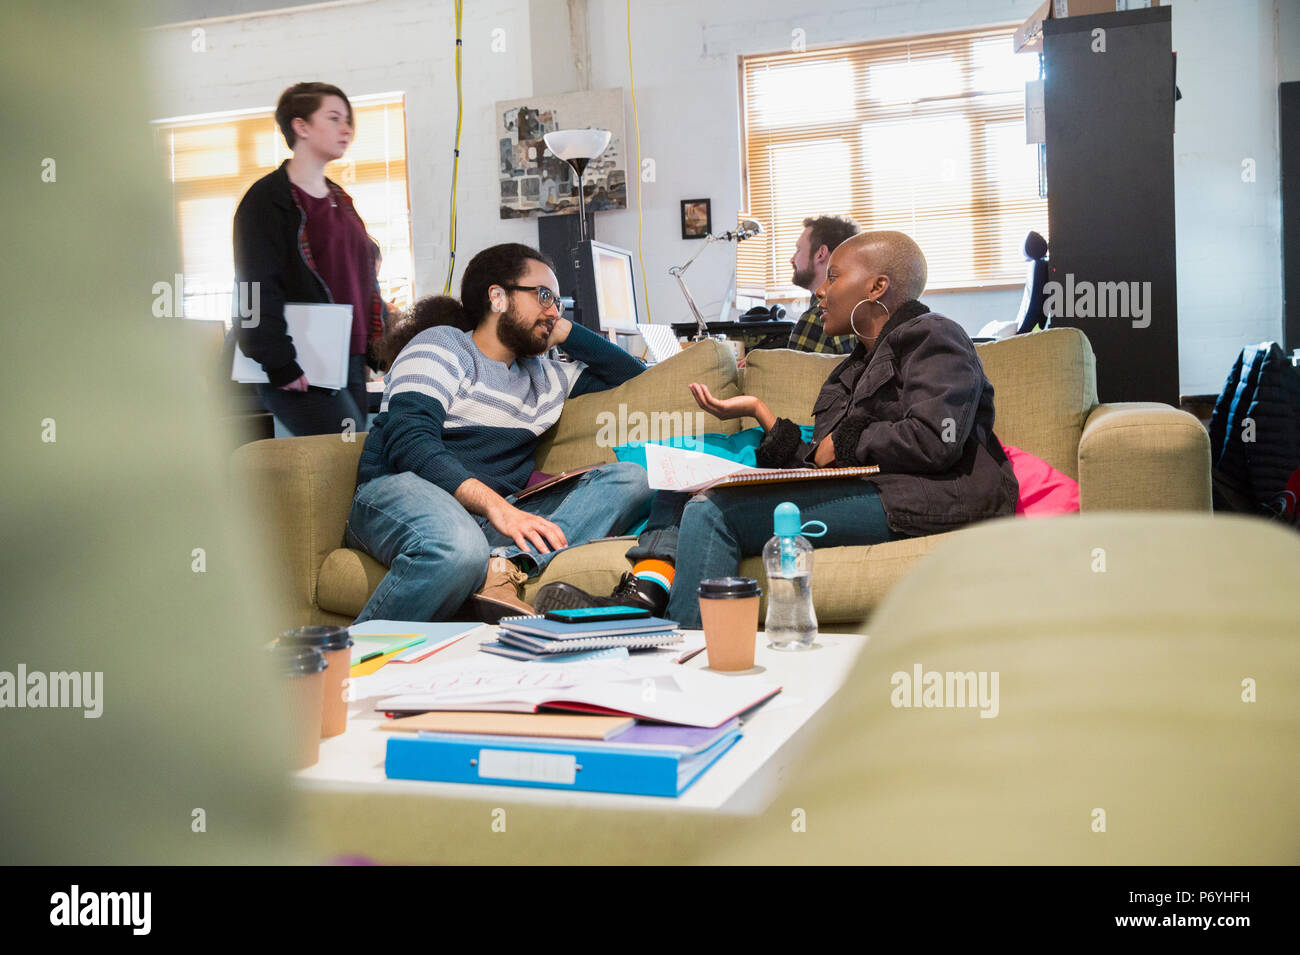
x=596, y=614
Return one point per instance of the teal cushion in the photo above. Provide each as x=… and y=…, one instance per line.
x=739, y=447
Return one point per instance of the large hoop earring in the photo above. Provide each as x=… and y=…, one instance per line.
x=875, y=301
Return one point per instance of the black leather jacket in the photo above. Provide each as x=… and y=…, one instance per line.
x=920, y=407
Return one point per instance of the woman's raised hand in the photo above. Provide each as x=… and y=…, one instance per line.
x=724, y=408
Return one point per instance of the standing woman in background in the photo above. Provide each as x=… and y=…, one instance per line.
x=299, y=237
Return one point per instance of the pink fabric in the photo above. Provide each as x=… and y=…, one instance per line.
x=1043, y=489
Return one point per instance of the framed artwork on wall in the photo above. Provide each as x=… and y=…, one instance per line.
x=697, y=218
x=534, y=181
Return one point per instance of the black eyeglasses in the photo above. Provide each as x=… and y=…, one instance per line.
x=545, y=297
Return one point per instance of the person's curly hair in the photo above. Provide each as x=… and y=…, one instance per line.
x=428, y=312
x=497, y=265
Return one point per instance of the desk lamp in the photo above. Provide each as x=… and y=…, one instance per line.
x=747, y=229
x=577, y=147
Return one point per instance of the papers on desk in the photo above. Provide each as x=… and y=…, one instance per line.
x=655, y=689
x=322, y=337
x=686, y=720
x=512, y=726
x=410, y=641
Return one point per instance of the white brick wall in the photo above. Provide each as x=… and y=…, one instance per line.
x=1230, y=61
x=373, y=47
x=1229, y=231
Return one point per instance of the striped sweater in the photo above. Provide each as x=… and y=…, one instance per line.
x=450, y=413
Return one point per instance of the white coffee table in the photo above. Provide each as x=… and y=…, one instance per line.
x=743, y=781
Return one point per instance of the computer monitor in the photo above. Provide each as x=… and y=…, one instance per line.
x=605, y=293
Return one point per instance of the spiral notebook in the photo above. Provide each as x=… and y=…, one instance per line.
x=680, y=469
x=773, y=475
x=538, y=626
x=545, y=645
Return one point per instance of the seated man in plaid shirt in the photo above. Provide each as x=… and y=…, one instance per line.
x=821, y=236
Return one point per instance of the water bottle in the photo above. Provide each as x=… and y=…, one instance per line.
x=788, y=558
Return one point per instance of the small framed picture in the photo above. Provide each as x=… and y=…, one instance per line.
x=697, y=218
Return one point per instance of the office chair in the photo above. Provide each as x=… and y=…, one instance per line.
x=1031, y=306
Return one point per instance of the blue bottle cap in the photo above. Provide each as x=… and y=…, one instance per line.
x=786, y=520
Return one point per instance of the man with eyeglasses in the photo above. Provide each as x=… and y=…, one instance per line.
x=464, y=406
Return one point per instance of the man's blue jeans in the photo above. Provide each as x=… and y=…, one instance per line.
x=721, y=526
x=437, y=552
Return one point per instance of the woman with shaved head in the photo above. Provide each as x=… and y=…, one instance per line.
x=911, y=398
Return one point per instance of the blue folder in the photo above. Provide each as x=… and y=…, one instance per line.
x=593, y=767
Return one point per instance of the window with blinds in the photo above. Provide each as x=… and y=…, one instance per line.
x=214, y=159
x=923, y=136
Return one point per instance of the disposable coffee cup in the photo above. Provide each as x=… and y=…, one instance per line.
x=336, y=645
x=302, y=674
x=729, y=614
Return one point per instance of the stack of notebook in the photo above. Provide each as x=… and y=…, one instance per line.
x=644, y=726
x=537, y=638
x=555, y=751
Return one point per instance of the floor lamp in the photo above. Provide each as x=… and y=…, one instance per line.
x=578, y=147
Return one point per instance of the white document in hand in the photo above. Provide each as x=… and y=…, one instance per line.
x=321, y=336
x=677, y=469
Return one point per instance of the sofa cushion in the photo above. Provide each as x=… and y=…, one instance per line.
x=299, y=492
x=1130, y=692
x=1120, y=691
x=657, y=401
x=347, y=579
x=1044, y=386
x=787, y=381
x=848, y=582
x=739, y=448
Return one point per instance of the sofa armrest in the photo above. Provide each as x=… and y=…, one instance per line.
x=298, y=492
x=1143, y=456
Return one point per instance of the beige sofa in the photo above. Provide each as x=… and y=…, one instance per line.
x=1146, y=718
x=1126, y=457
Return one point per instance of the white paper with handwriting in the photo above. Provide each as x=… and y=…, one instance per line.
x=677, y=469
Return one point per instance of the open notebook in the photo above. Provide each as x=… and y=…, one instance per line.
x=679, y=469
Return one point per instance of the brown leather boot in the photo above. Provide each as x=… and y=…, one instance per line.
x=500, y=594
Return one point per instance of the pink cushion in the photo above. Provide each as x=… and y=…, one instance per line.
x=1043, y=489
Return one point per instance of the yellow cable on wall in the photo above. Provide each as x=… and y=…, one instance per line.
x=636, y=126
x=455, y=163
